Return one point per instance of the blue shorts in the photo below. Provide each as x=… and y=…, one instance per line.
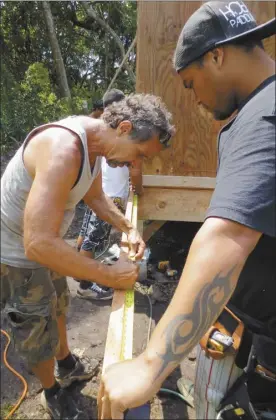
x=95, y=231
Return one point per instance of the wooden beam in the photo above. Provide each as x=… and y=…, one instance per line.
x=152, y=228
x=169, y=181
x=140, y=227
x=184, y=205
x=115, y=325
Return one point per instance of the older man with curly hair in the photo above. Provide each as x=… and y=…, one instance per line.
x=94, y=237
x=58, y=165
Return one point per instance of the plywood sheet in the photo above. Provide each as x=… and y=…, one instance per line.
x=159, y=25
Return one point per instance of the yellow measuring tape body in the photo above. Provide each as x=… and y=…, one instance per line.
x=127, y=327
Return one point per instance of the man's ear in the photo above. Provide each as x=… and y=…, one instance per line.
x=215, y=58
x=125, y=127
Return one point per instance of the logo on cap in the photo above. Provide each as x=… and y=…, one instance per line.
x=236, y=14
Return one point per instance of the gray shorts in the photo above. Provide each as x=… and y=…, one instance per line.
x=32, y=301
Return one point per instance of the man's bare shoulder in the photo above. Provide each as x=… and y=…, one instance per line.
x=53, y=146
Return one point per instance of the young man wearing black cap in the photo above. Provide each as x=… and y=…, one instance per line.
x=220, y=57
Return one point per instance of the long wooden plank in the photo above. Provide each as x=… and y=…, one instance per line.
x=170, y=181
x=115, y=325
x=127, y=339
x=184, y=205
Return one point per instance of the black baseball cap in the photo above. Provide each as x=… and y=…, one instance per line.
x=216, y=23
x=113, y=95
x=98, y=105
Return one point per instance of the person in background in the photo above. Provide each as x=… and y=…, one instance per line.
x=95, y=233
x=97, y=109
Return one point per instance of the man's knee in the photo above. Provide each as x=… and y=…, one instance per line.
x=32, y=306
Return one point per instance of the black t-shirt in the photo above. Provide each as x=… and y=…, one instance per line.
x=245, y=193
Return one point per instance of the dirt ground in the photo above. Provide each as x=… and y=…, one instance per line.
x=87, y=328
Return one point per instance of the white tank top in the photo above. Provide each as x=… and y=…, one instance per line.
x=115, y=180
x=16, y=184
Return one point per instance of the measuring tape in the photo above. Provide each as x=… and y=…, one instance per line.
x=120, y=330
x=127, y=320
x=126, y=346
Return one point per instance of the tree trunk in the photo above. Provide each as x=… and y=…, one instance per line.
x=58, y=60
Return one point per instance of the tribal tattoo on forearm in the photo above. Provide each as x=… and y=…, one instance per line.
x=186, y=330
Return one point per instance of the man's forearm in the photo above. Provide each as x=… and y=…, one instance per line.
x=107, y=211
x=207, y=283
x=57, y=255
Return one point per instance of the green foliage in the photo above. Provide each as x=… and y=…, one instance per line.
x=31, y=103
x=6, y=409
x=29, y=90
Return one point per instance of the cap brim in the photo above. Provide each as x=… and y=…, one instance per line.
x=260, y=32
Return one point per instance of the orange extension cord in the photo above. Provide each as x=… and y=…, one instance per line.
x=23, y=395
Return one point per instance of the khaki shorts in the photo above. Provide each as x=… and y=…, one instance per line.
x=32, y=301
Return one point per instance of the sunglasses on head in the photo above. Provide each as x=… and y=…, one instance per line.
x=165, y=138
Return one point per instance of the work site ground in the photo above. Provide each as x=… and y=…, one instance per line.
x=87, y=329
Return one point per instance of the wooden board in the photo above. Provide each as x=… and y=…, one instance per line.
x=115, y=325
x=194, y=147
x=153, y=227
x=187, y=205
x=169, y=181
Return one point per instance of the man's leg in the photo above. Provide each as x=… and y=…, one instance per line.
x=69, y=367
x=13, y=279
x=80, y=240
x=83, y=232
x=44, y=371
x=63, y=349
x=97, y=235
x=31, y=315
x=84, y=284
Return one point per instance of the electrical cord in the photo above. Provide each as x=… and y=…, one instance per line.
x=23, y=395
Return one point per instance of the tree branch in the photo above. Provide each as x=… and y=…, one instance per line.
x=122, y=63
x=91, y=13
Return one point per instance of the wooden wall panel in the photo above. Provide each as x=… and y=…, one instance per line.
x=159, y=24
x=174, y=204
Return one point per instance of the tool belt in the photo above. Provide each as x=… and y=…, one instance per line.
x=228, y=335
x=224, y=336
